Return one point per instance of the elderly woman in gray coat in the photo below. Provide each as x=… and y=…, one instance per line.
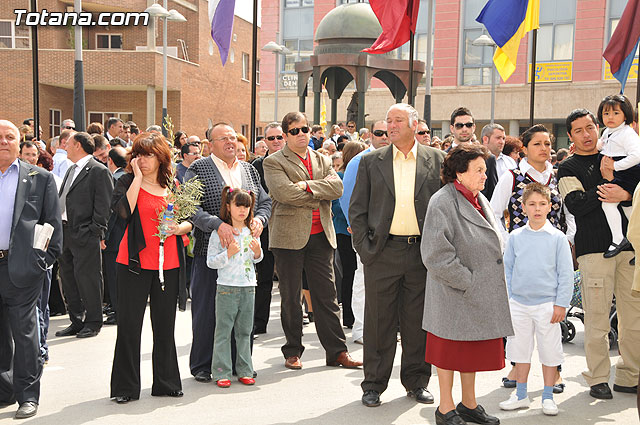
x=466, y=308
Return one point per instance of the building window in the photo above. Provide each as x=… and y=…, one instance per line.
x=246, y=67
x=300, y=50
x=102, y=117
x=297, y=32
x=352, y=1
x=12, y=37
x=555, y=36
x=477, y=61
x=109, y=41
x=244, y=129
x=297, y=3
x=616, y=8
x=55, y=120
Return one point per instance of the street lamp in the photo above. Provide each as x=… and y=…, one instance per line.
x=277, y=49
x=157, y=11
x=484, y=41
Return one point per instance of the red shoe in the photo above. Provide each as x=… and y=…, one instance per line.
x=247, y=380
x=223, y=383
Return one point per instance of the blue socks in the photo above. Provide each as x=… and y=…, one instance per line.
x=547, y=393
x=521, y=390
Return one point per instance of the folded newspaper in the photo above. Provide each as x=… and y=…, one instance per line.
x=42, y=235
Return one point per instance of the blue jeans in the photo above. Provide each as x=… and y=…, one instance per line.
x=234, y=311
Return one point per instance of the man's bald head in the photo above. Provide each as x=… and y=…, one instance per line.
x=10, y=125
x=9, y=144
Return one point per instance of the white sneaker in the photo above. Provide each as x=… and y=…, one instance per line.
x=513, y=403
x=549, y=407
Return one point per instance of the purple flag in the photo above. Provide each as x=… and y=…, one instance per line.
x=221, y=18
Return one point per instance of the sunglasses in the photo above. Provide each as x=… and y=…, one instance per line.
x=66, y=127
x=272, y=138
x=459, y=125
x=296, y=131
x=380, y=133
x=422, y=133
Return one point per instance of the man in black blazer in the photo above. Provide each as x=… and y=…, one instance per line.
x=85, y=199
x=386, y=212
x=27, y=197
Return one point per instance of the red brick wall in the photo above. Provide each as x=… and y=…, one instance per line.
x=446, y=46
x=589, y=40
x=270, y=25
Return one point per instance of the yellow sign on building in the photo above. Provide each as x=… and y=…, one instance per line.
x=552, y=71
x=633, y=72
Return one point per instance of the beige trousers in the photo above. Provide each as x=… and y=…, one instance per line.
x=601, y=279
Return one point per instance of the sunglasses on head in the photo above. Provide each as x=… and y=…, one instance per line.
x=272, y=138
x=459, y=125
x=380, y=133
x=422, y=133
x=296, y=131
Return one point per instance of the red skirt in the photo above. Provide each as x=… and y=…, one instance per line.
x=465, y=356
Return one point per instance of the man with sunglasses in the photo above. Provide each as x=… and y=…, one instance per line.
x=423, y=134
x=352, y=133
x=386, y=214
x=68, y=124
x=274, y=138
x=302, y=185
x=462, y=127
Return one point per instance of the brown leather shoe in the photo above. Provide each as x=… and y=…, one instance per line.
x=293, y=362
x=345, y=360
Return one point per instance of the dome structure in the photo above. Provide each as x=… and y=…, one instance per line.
x=348, y=28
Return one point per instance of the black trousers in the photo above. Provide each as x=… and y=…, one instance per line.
x=349, y=266
x=134, y=290
x=264, y=271
x=81, y=274
x=56, y=303
x=394, y=294
x=110, y=280
x=316, y=259
x=20, y=359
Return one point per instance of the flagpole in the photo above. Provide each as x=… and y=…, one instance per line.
x=410, y=96
x=533, y=77
x=427, y=93
x=36, y=76
x=254, y=66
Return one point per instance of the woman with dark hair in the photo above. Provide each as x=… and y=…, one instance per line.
x=512, y=148
x=179, y=139
x=345, y=247
x=466, y=309
x=138, y=197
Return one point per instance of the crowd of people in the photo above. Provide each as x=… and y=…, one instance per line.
x=463, y=249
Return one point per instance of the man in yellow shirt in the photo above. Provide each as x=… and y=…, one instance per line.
x=386, y=212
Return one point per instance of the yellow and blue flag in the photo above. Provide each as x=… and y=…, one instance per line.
x=507, y=21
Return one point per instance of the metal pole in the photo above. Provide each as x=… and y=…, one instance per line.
x=36, y=75
x=410, y=96
x=277, y=82
x=79, y=116
x=427, y=94
x=493, y=88
x=533, y=77
x=165, y=133
x=254, y=67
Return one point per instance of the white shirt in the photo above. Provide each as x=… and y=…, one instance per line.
x=79, y=166
x=504, y=163
x=621, y=141
x=232, y=176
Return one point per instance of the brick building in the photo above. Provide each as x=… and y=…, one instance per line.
x=570, y=68
x=123, y=68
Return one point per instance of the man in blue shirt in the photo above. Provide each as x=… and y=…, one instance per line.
x=378, y=140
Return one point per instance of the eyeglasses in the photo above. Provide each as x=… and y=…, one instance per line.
x=380, y=133
x=296, y=131
x=459, y=125
x=226, y=139
x=67, y=127
x=351, y=126
x=272, y=138
x=422, y=133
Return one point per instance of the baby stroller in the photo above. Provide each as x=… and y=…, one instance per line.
x=568, y=328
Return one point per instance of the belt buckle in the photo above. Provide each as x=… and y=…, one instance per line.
x=412, y=239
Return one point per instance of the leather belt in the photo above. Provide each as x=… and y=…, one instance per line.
x=4, y=253
x=411, y=239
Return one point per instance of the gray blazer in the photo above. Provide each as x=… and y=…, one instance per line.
x=466, y=294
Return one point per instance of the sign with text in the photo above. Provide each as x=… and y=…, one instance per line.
x=633, y=72
x=549, y=72
x=289, y=81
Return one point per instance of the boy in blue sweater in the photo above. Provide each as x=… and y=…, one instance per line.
x=539, y=271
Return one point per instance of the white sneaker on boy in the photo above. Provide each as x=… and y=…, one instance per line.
x=549, y=407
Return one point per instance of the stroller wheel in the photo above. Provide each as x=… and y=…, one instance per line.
x=571, y=331
x=565, y=331
x=613, y=338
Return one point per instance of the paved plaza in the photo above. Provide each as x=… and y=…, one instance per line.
x=75, y=388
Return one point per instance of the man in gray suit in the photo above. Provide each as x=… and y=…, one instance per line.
x=386, y=212
x=28, y=196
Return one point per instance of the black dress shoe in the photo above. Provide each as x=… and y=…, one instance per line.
x=111, y=320
x=123, y=399
x=558, y=388
x=260, y=331
x=87, y=333
x=421, y=394
x=27, y=410
x=177, y=393
x=623, y=389
x=203, y=376
x=69, y=331
x=508, y=383
x=450, y=418
x=601, y=391
x=371, y=398
x=624, y=244
x=477, y=415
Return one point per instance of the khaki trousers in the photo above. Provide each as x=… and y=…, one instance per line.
x=601, y=279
